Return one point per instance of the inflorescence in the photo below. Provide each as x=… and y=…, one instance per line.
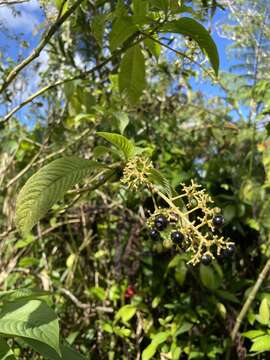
x=193, y=226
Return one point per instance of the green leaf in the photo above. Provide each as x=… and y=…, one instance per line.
x=160, y=4
x=264, y=313
x=125, y=313
x=68, y=353
x=25, y=242
x=221, y=309
x=186, y=326
x=29, y=294
x=227, y=296
x=153, y=47
x=151, y=349
x=252, y=334
x=189, y=27
x=32, y=319
x=97, y=292
x=261, y=343
x=122, y=119
x=122, y=29
x=47, y=186
x=159, y=179
x=132, y=74
x=266, y=163
x=97, y=26
x=209, y=277
x=264, y=215
x=180, y=273
x=58, y=4
x=140, y=7
x=119, y=141
x=5, y=352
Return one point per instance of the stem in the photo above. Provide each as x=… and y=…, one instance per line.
x=36, y=52
x=183, y=216
x=250, y=299
x=76, y=77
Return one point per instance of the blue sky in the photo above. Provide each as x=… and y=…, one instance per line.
x=26, y=26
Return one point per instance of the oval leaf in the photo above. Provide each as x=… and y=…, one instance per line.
x=264, y=312
x=209, y=277
x=194, y=30
x=46, y=187
x=261, y=343
x=132, y=74
x=119, y=141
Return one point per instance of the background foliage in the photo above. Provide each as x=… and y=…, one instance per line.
x=117, y=294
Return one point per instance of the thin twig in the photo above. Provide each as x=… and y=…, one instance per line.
x=26, y=168
x=8, y=2
x=182, y=54
x=82, y=305
x=36, y=52
x=250, y=299
x=55, y=84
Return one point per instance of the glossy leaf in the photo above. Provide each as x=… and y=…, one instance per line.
x=261, y=343
x=125, y=313
x=252, y=334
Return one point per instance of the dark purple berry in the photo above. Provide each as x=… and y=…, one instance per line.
x=154, y=234
x=229, y=251
x=161, y=222
x=218, y=221
x=206, y=259
x=177, y=237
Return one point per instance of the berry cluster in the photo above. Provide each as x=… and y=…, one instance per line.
x=189, y=222
x=195, y=228
x=161, y=223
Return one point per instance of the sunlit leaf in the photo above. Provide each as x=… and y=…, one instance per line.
x=191, y=28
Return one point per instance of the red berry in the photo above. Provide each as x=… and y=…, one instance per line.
x=130, y=292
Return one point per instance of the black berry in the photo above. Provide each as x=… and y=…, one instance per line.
x=154, y=234
x=177, y=237
x=206, y=259
x=229, y=251
x=218, y=221
x=161, y=222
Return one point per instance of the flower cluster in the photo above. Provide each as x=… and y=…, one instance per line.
x=136, y=172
